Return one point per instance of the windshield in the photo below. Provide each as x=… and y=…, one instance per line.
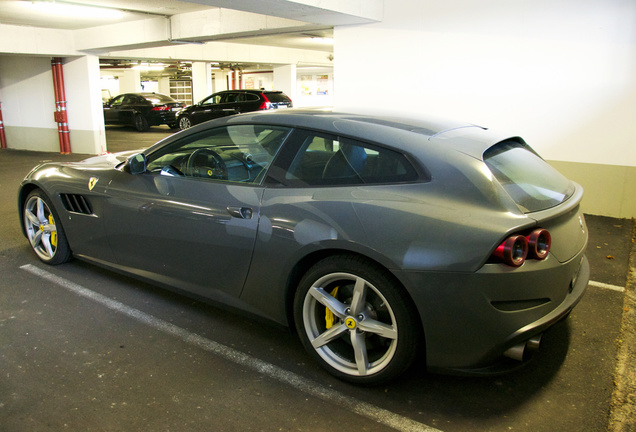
x=529, y=180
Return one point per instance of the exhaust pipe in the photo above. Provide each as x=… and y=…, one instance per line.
x=522, y=351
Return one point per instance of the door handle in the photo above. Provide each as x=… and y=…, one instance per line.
x=240, y=212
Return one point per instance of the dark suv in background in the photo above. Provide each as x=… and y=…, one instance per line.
x=142, y=110
x=231, y=102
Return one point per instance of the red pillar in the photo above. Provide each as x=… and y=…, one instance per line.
x=60, y=105
x=3, y=138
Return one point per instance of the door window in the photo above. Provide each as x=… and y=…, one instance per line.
x=332, y=160
x=240, y=153
x=117, y=101
x=214, y=99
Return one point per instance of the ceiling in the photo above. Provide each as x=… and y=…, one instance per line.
x=45, y=13
x=38, y=13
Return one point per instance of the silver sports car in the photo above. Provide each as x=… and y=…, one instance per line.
x=375, y=238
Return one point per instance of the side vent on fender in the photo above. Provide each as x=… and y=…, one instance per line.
x=76, y=203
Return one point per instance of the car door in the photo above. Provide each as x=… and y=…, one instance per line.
x=230, y=104
x=191, y=219
x=111, y=110
x=206, y=109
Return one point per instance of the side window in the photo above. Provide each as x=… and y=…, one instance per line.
x=117, y=101
x=232, y=97
x=129, y=100
x=251, y=97
x=330, y=160
x=240, y=153
x=214, y=99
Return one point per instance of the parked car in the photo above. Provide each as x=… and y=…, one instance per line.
x=374, y=237
x=142, y=110
x=232, y=102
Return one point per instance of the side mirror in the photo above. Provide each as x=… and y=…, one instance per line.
x=137, y=164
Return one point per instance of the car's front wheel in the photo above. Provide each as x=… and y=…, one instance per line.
x=43, y=229
x=356, y=320
x=184, y=122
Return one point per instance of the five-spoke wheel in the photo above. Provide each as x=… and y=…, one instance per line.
x=356, y=320
x=43, y=231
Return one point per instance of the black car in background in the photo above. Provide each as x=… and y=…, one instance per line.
x=142, y=110
x=231, y=102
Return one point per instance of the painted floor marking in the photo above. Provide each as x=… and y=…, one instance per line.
x=296, y=381
x=606, y=286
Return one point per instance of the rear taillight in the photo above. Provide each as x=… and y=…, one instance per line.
x=539, y=242
x=266, y=104
x=517, y=248
x=513, y=251
x=160, y=108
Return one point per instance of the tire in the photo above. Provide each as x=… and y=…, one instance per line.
x=367, y=310
x=185, y=122
x=141, y=124
x=44, y=230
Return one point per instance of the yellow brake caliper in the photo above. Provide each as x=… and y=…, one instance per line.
x=329, y=316
x=53, y=233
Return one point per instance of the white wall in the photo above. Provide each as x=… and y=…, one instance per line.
x=28, y=104
x=560, y=73
x=26, y=85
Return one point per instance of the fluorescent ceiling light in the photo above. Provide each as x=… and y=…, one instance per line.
x=72, y=10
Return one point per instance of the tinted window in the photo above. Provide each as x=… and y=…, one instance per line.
x=277, y=97
x=117, y=101
x=329, y=160
x=239, y=153
x=233, y=97
x=214, y=99
x=159, y=98
x=529, y=180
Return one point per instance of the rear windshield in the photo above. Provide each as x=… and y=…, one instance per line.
x=159, y=98
x=529, y=180
x=277, y=97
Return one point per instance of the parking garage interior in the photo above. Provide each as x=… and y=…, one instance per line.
x=560, y=74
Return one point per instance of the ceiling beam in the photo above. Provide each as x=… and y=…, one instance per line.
x=325, y=12
x=195, y=27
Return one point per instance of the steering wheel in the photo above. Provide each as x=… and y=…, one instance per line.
x=199, y=165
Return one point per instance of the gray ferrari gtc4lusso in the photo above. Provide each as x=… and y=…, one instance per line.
x=376, y=238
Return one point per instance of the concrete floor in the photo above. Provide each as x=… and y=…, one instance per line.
x=83, y=348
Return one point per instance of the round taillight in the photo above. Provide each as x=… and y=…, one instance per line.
x=539, y=242
x=513, y=251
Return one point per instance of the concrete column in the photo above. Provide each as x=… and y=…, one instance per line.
x=85, y=112
x=201, y=80
x=164, y=85
x=220, y=80
x=130, y=81
x=285, y=79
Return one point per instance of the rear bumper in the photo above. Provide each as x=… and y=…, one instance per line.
x=470, y=320
x=162, y=117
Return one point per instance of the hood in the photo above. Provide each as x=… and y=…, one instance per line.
x=108, y=160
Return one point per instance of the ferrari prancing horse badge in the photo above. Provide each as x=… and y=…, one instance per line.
x=92, y=182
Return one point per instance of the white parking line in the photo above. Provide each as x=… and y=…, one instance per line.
x=606, y=286
x=298, y=382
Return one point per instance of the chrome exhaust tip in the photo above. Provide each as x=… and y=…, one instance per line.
x=521, y=352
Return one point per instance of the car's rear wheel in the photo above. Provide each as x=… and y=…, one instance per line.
x=141, y=124
x=184, y=122
x=43, y=229
x=356, y=320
